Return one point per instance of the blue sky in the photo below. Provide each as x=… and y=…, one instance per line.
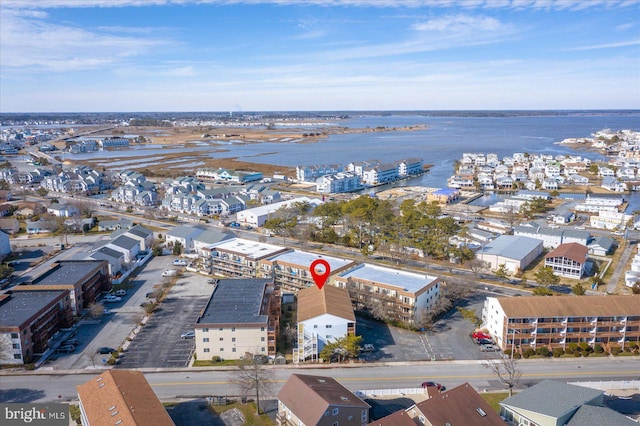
x=287, y=55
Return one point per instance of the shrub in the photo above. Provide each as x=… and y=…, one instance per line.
x=216, y=358
x=598, y=348
x=558, y=352
x=584, y=346
x=544, y=351
x=577, y=354
x=111, y=361
x=585, y=353
x=517, y=355
x=615, y=350
x=115, y=354
x=528, y=352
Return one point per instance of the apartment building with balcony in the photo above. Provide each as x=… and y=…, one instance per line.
x=240, y=320
x=290, y=269
x=84, y=279
x=240, y=258
x=400, y=294
x=28, y=320
x=324, y=315
x=556, y=322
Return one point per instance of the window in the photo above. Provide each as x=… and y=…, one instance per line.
x=206, y=350
x=221, y=349
x=17, y=356
x=263, y=349
x=262, y=339
x=327, y=326
x=221, y=329
x=205, y=339
x=364, y=416
x=315, y=325
x=233, y=339
x=205, y=330
x=233, y=329
x=334, y=412
x=16, y=346
x=261, y=328
x=15, y=335
x=233, y=349
x=222, y=339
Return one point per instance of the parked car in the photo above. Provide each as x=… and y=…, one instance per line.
x=107, y=312
x=481, y=335
x=179, y=262
x=484, y=341
x=188, y=335
x=72, y=342
x=432, y=384
x=169, y=273
x=65, y=349
x=111, y=299
x=489, y=348
x=121, y=292
x=105, y=350
x=367, y=347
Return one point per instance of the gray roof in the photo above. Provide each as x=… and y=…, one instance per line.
x=68, y=272
x=125, y=242
x=512, y=246
x=552, y=398
x=213, y=236
x=106, y=253
x=576, y=233
x=606, y=243
x=236, y=302
x=590, y=415
x=22, y=305
x=140, y=231
x=185, y=231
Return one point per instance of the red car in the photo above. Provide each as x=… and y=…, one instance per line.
x=432, y=384
x=481, y=335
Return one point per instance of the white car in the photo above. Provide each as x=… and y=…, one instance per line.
x=179, y=262
x=121, y=292
x=112, y=299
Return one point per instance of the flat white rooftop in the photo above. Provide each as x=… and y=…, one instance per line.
x=248, y=248
x=408, y=281
x=305, y=258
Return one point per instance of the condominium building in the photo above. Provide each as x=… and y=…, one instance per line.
x=324, y=315
x=556, y=322
x=28, y=320
x=290, y=269
x=85, y=280
x=240, y=320
x=239, y=258
x=401, y=295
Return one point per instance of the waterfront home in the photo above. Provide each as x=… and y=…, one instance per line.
x=568, y=260
x=613, y=184
x=338, y=183
x=379, y=174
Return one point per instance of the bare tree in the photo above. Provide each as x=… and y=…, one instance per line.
x=478, y=266
x=507, y=372
x=96, y=309
x=6, y=347
x=253, y=377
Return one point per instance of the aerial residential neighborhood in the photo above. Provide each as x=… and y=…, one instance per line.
x=113, y=273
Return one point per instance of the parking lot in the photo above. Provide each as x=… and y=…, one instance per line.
x=448, y=339
x=158, y=344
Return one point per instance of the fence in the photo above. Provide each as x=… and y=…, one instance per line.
x=389, y=392
x=610, y=384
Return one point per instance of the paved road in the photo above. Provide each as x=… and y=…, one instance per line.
x=190, y=383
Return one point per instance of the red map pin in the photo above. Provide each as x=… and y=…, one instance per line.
x=320, y=277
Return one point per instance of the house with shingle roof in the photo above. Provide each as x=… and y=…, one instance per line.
x=459, y=406
x=568, y=260
x=121, y=397
x=551, y=403
x=324, y=315
x=321, y=401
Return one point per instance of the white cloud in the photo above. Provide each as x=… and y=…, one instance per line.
x=29, y=40
x=607, y=45
x=489, y=4
x=460, y=23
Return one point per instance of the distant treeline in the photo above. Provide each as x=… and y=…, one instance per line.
x=150, y=122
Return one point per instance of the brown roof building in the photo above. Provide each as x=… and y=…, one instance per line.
x=556, y=322
x=323, y=316
x=121, y=397
x=319, y=400
x=568, y=260
x=399, y=418
x=459, y=406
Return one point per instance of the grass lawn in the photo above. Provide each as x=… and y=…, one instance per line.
x=248, y=411
x=493, y=399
